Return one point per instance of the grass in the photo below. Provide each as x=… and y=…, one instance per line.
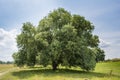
x=5, y=67
x=107, y=67
x=102, y=72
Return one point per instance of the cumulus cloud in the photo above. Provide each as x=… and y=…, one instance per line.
x=7, y=44
x=13, y=15
x=110, y=47
x=104, y=44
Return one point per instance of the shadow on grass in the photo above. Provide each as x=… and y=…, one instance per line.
x=23, y=74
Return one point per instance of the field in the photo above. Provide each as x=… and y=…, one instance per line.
x=103, y=71
x=5, y=67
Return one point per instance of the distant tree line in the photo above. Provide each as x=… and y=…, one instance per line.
x=112, y=60
x=6, y=62
x=60, y=39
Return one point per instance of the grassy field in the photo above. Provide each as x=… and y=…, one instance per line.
x=5, y=67
x=103, y=71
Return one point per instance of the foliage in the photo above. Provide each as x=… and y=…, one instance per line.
x=60, y=39
x=4, y=62
x=113, y=60
x=26, y=45
x=67, y=40
x=100, y=56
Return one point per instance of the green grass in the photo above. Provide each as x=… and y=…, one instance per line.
x=102, y=72
x=107, y=67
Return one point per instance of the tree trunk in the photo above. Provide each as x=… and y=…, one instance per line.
x=54, y=65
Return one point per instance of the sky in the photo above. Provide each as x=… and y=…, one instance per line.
x=104, y=14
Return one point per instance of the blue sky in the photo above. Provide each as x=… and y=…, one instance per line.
x=104, y=14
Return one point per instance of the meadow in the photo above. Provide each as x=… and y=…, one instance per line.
x=5, y=67
x=103, y=71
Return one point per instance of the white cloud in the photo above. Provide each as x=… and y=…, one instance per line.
x=111, y=47
x=18, y=12
x=104, y=44
x=7, y=44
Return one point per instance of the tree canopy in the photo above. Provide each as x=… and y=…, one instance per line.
x=60, y=39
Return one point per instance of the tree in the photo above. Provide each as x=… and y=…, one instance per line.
x=26, y=45
x=60, y=38
x=2, y=62
x=100, y=56
x=19, y=59
x=67, y=40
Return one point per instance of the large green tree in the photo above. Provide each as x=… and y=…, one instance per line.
x=67, y=40
x=60, y=39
